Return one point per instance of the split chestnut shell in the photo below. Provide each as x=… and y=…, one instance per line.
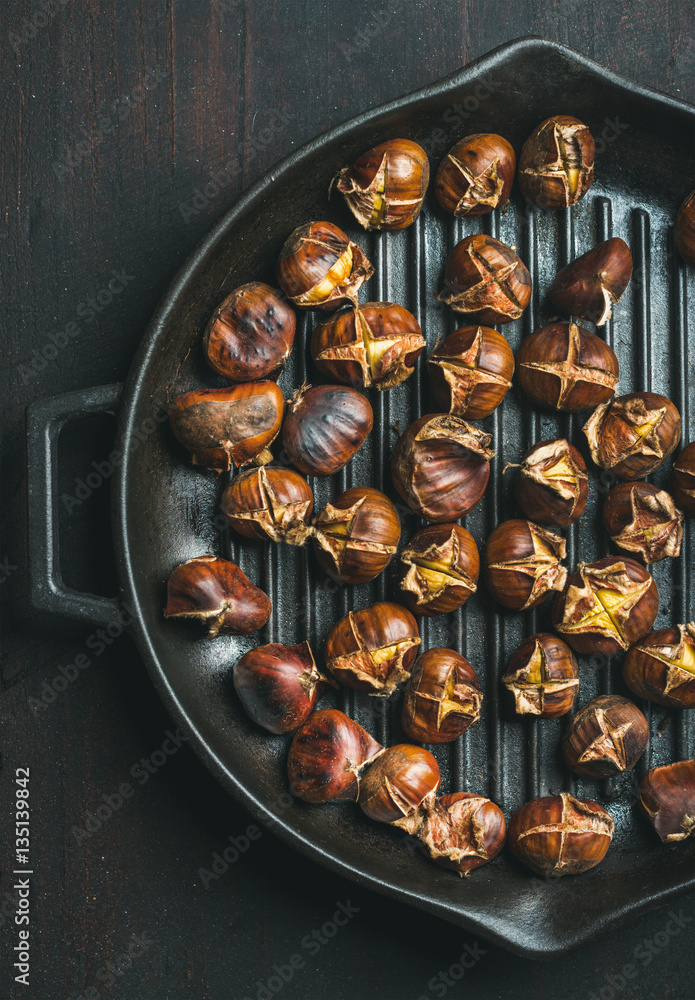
x=385, y=187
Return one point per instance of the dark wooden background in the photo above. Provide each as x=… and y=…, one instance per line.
x=115, y=114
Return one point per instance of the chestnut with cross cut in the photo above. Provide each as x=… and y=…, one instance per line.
x=643, y=520
x=552, y=483
x=476, y=175
x=471, y=371
x=462, y=831
x=400, y=787
x=542, y=677
x=439, y=569
x=269, y=504
x=667, y=799
x=523, y=564
x=606, y=606
x=385, y=187
x=560, y=834
x=485, y=278
x=376, y=344
x=356, y=536
x=605, y=738
x=442, y=697
x=566, y=367
x=631, y=435
x=373, y=649
x=556, y=167
x=661, y=666
x=321, y=268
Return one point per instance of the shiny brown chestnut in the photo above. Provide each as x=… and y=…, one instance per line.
x=606, y=606
x=269, y=503
x=373, y=649
x=439, y=569
x=226, y=427
x=327, y=757
x=279, y=685
x=324, y=427
x=661, y=666
x=631, y=435
x=462, y=831
x=476, y=175
x=552, y=483
x=542, y=677
x=592, y=284
x=442, y=697
x=385, y=187
x=485, y=278
x=400, y=787
x=217, y=593
x=321, y=268
x=556, y=167
x=684, y=229
x=643, y=520
x=441, y=466
x=523, y=564
x=667, y=799
x=376, y=344
x=566, y=367
x=684, y=480
x=356, y=536
x=471, y=371
x=250, y=335
x=605, y=738
x=560, y=835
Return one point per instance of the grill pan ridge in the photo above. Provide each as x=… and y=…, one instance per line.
x=167, y=511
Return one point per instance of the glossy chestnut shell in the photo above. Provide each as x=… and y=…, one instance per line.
x=226, y=427
x=439, y=569
x=684, y=480
x=471, y=371
x=667, y=799
x=324, y=427
x=327, y=757
x=385, y=187
x=606, y=606
x=217, y=593
x=269, y=503
x=684, y=229
x=560, y=834
x=591, y=285
x=556, y=167
x=278, y=685
x=321, y=268
x=373, y=649
x=523, y=564
x=661, y=666
x=442, y=697
x=552, y=485
x=631, y=435
x=643, y=521
x=376, y=344
x=356, y=536
x=566, y=367
x=463, y=831
x=441, y=466
x=250, y=335
x=476, y=175
x=486, y=279
x=542, y=677
x=605, y=738
x=400, y=786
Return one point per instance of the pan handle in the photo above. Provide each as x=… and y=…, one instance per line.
x=45, y=421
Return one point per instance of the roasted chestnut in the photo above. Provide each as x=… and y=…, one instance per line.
x=324, y=427
x=605, y=738
x=400, y=787
x=442, y=698
x=279, y=685
x=320, y=267
x=225, y=427
x=684, y=230
x=471, y=371
x=523, y=564
x=552, y=484
x=462, y=831
x=373, y=649
x=270, y=503
x=216, y=592
x=667, y=798
x=684, y=480
x=356, y=536
x=661, y=666
x=373, y=345
x=476, y=175
x=643, y=520
x=487, y=279
x=566, y=367
x=439, y=569
x=631, y=435
x=556, y=167
x=250, y=334
x=385, y=187
x=560, y=835
x=606, y=606
x=542, y=677
x=441, y=466
x=591, y=285
x=327, y=757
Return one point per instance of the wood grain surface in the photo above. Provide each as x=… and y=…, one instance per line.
x=126, y=130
